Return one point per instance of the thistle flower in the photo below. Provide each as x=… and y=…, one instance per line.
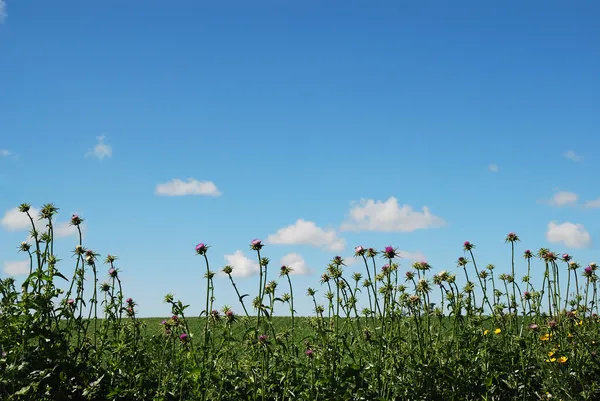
x=512, y=237
x=285, y=270
x=467, y=246
x=309, y=353
x=201, y=249
x=76, y=220
x=566, y=257
x=24, y=247
x=338, y=261
x=371, y=252
x=183, y=337
x=112, y=272
x=256, y=244
x=104, y=287
x=263, y=338
x=129, y=301
x=410, y=275
x=461, y=261
x=527, y=254
x=227, y=269
x=533, y=327
x=390, y=252
x=71, y=302
x=359, y=251
x=588, y=272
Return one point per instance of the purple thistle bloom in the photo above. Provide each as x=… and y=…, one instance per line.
x=183, y=337
x=309, y=353
x=112, y=272
x=201, y=249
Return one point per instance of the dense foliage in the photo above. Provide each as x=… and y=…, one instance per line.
x=493, y=338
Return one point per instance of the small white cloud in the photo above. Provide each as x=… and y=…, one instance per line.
x=19, y=268
x=593, y=204
x=563, y=198
x=388, y=216
x=5, y=152
x=571, y=155
x=242, y=265
x=417, y=256
x=297, y=263
x=493, y=168
x=3, y=13
x=101, y=150
x=177, y=187
x=304, y=232
x=15, y=220
x=570, y=234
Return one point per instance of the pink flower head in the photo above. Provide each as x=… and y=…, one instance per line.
x=338, y=260
x=76, y=220
x=112, y=272
x=183, y=337
x=71, y=302
x=390, y=252
x=256, y=244
x=410, y=275
x=527, y=254
x=174, y=317
x=552, y=324
x=262, y=338
x=588, y=271
x=229, y=313
x=385, y=268
x=129, y=300
x=359, y=251
x=309, y=353
x=201, y=249
x=533, y=327
x=163, y=322
x=566, y=257
x=468, y=246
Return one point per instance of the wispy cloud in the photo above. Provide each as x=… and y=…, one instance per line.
x=101, y=150
x=563, y=198
x=493, y=168
x=593, y=204
x=177, y=187
x=2, y=11
x=19, y=268
x=4, y=152
x=571, y=155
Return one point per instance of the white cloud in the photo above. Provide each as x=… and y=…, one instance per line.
x=19, y=268
x=297, y=263
x=2, y=11
x=304, y=232
x=388, y=216
x=177, y=187
x=417, y=256
x=242, y=265
x=563, y=198
x=570, y=234
x=593, y=204
x=5, y=152
x=571, y=155
x=493, y=168
x=101, y=150
x=15, y=220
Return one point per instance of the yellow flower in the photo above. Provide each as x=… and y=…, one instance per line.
x=486, y=332
x=551, y=360
x=579, y=323
x=545, y=337
x=570, y=335
x=497, y=331
x=550, y=353
x=562, y=359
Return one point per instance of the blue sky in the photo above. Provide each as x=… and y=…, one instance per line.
x=315, y=126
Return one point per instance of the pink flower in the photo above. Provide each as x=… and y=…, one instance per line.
x=129, y=300
x=71, y=302
x=201, y=249
x=183, y=337
x=112, y=272
x=468, y=246
x=309, y=353
x=390, y=252
x=256, y=244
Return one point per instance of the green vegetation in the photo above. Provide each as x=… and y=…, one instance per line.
x=493, y=338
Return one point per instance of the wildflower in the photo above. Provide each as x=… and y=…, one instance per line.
x=571, y=314
x=579, y=323
x=385, y=268
x=512, y=237
x=24, y=246
x=526, y=295
x=183, y=337
x=551, y=360
x=462, y=261
x=256, y=244
x=104, y=287
x=570, y=335
x=498, y=331
x=468, y=246
x=338, y=261
x=483, y=274
x=227, y=269
x=410, y=275
x=389, y=252
x=229, y=314
x=71, y=302
x=486, y=332
x=285, y=270
x=163, y=322
x=552, y=324
x=76, y=220
x=566, y=257
x=359, y=251
x=309, y=353
x=593, y=266
x=527, y=254
x=263, y=338
x=533, y=327
x=573, y=265
x=371, y=252
x=112, y=272
x=201, y=249
x=562, y=359
x=551, y=353
x=545, y=337
x=3, y=354
x=129, y=301
x=588, y=272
